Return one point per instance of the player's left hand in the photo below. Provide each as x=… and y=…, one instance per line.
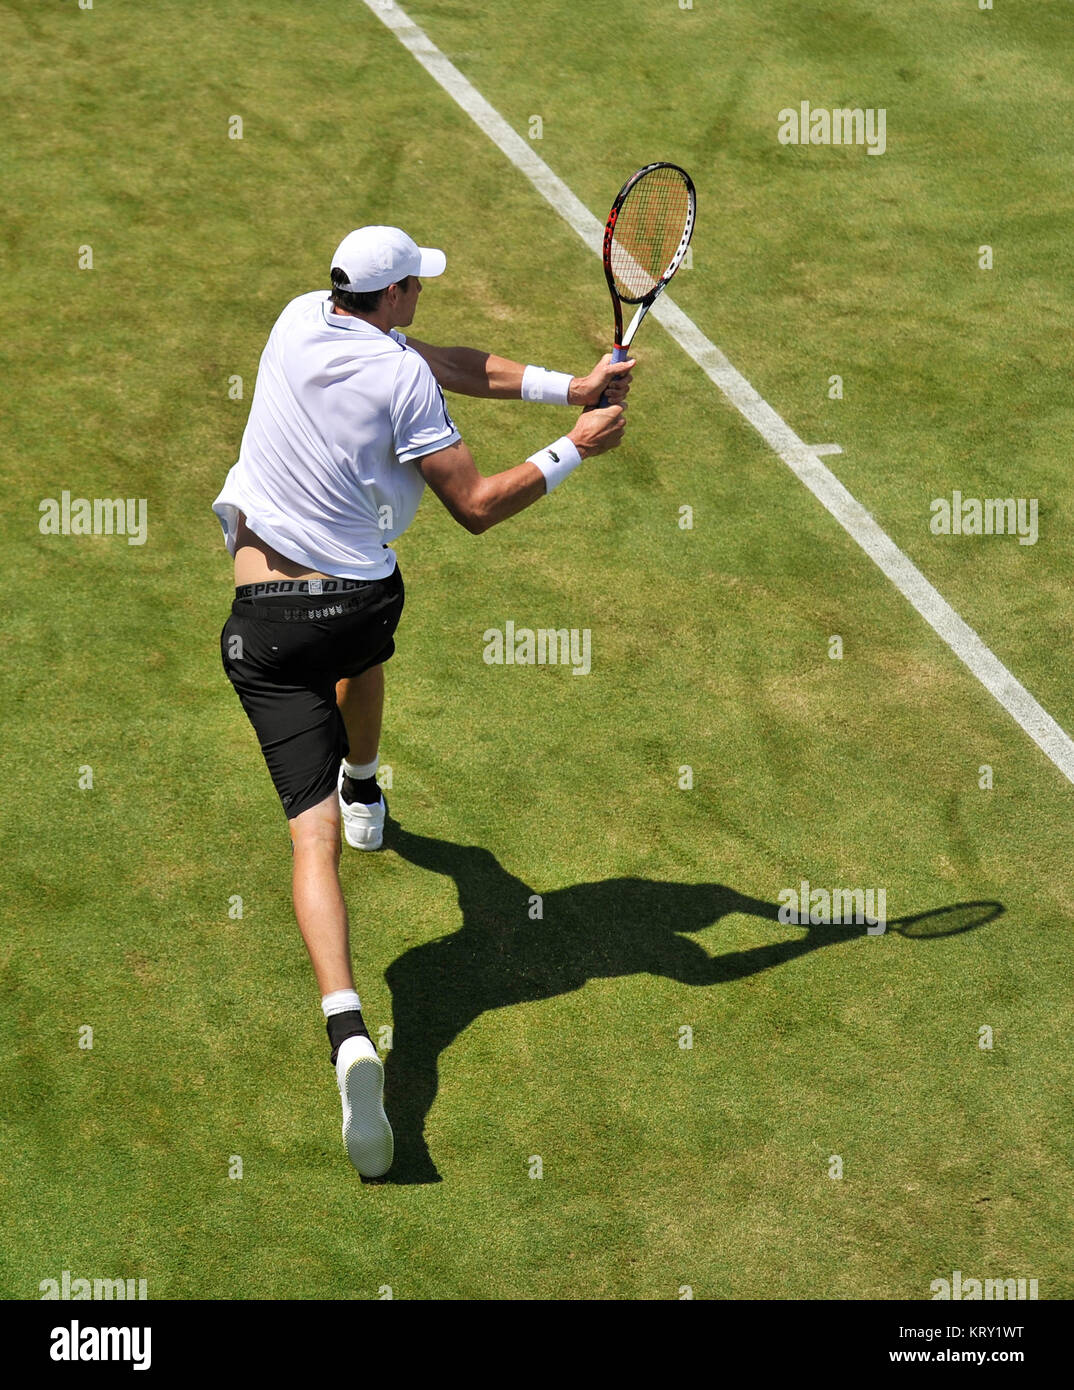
x=607, y=376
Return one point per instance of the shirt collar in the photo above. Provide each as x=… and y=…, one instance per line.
x=348, y=321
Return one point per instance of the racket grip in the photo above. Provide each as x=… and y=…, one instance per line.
x=619, y=354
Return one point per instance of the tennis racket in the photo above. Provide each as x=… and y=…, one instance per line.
x=645, y=240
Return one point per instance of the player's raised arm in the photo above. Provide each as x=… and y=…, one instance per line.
x=478, y=503
x=471, y=372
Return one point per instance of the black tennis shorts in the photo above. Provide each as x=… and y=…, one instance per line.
x=284, y=652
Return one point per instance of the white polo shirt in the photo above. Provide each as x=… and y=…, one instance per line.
x=326, y=468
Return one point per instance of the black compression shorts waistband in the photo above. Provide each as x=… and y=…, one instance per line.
x=294, y=600
x=272, y=588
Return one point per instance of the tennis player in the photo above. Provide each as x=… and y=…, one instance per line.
x=347, y=425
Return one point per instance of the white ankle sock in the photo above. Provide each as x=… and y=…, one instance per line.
x=359, y=771
x=343, y=1001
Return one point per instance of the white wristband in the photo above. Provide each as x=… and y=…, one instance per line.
x=556, y=461
x=551, y=388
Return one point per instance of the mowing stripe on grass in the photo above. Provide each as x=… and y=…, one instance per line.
x=803, y=461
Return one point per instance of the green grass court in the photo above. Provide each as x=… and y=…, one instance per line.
x=663, y=1167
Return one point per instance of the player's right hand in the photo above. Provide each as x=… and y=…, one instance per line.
x=599, y=429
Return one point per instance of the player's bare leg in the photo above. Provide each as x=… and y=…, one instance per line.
x=317, y=896
x=361, y=702
x=322, y=919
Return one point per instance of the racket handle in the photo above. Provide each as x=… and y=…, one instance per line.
x=619, y=354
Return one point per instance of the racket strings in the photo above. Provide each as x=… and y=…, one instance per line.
x=648, y=231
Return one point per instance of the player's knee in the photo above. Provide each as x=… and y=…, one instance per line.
x=317, y=830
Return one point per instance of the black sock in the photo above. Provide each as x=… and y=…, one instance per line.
x=343, y=1026
x=363, y=789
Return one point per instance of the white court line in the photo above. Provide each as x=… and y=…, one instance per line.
x=799, y=457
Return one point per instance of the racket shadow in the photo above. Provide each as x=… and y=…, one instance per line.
x=499, y=957
x=947, y=921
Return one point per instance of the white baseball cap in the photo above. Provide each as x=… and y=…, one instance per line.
x=375, y=257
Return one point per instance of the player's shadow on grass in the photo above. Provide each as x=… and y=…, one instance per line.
x=621, y=926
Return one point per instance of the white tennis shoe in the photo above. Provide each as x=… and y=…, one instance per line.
x=366, y=1131
x=363, y=826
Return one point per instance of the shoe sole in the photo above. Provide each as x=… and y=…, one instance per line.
x=367, y=1134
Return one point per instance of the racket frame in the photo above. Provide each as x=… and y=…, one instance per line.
x=646, y=301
